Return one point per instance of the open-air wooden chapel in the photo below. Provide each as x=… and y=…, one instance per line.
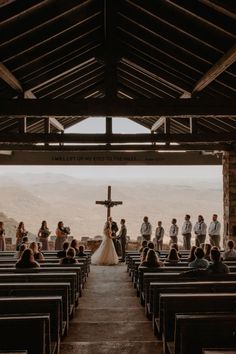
x=168, y=65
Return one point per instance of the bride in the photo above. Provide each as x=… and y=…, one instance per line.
x=106, y=253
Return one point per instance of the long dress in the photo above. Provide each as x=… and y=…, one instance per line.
x=106, y=253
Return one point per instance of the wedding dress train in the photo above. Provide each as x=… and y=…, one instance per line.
x=106, y=253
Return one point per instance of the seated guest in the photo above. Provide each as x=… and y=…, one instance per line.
x=27, y=260
x=2, y=237
x=70, y=257
x=151, y=246
x=217, y=266
x=144, y=254
x=21, y=250
x=25, y=240
x=230, y=254
x=173, y=257
x=38, y=256
x=207, y=251
x=62, y=253
x=191, y=254
x=144, y=244
x=174, y=245
x=199, y=261
x=81, y=252
x=74, y=244
x=152, y=260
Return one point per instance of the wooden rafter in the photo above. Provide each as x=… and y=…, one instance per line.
x=10, y=79
x=218, y=68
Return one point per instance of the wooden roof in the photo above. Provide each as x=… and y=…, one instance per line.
x=163, y=50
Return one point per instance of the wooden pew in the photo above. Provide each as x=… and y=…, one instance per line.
x=26, y=332
x=42, y=289
x=177, y=277
x=37, y=305
x=59, y=269
x=214, y=330
x=45, y=278
x=156, y=289
x=172, y=304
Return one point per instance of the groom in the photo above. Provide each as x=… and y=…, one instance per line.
x=114, y=229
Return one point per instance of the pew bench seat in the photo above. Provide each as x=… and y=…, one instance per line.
x=26, y=332
x=214, y=330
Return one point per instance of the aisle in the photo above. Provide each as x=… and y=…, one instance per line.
x=110, y=319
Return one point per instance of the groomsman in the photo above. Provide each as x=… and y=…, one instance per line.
x=174, y=230
x=159, y=234
x=214, y=231
x=200, y=229
x=186, y=232
x=146, y=229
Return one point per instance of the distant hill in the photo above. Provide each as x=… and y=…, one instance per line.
x=34, y=197
x=10, y=226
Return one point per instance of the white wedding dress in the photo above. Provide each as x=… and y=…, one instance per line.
x=106, y=253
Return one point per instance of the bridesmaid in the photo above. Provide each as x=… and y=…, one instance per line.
x=2, y=238
x=43, y=235
x=20, y=233
x=61, y=236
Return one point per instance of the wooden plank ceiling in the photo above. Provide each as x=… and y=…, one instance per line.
x=130, y=49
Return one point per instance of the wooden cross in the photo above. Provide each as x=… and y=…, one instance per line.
x=108, y=203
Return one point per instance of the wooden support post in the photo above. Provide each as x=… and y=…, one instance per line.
x=23, y=125
x=109, y=129
x=167, y=126
x=193, y=124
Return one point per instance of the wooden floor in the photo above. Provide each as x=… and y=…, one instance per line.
x=110, y=318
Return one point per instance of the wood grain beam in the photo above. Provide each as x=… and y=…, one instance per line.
x=10, y=79
x=119, y=107
x=110, y=158
x=133, y=147
x=117, y=138
x=110, y=48
x=218, y=68
x=159, y=123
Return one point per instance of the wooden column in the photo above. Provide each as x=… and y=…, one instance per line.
x=108, y=130
x=229, y=183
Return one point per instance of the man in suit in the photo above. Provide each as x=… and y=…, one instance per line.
x=114, y=229
x=122, y=238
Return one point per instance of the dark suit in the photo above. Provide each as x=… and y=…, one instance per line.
x=122, y=238
x=114, y=229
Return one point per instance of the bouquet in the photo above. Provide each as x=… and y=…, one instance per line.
x=66, y=230
x=46, y=233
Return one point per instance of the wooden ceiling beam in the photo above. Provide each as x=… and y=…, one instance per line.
x=110, y=48
x=119, y=107
x=218, y=68
x=117, y=138
x=10, y=79
x=150, y=147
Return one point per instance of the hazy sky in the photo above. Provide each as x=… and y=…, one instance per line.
x=120, y=125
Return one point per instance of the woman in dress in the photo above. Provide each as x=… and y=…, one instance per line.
x=43, y=235
x=61, y=236
x=2, y=237
x=106, y=253
x=20, y=233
